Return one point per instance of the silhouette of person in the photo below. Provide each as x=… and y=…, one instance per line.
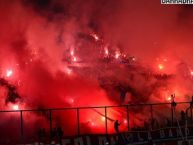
x=60, y=134
x=183, y=117
x=41, y=134
x=168, y=122
x=150, y=142
x=53, y=132
x=116, y=126
x=185, y=143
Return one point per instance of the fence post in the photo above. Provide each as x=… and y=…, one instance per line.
x=21, y=125
x=151, y=111
x=50, y=115
x=172, y=113
x=106, y=128
x=78, y=121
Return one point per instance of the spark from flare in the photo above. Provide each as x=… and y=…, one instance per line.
x=133, y=59
x=103, y=118
x=117, y=54
x=95, y=36
x=68, y=71
x=74, y=59
x=160, y=66
x=72, y=52
x=168, y=98
x=9, y=73
x=106, y=51
x=15, y=107
x=125, y=121
x=191, y=73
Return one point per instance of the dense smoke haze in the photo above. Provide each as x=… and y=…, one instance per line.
x=59, y=53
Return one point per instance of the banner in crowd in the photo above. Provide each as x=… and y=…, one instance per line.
x=170, y=136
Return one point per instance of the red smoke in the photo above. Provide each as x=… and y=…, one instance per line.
x=72, y=54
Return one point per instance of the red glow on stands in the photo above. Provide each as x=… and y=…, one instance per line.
x=92, y=123
x=165, y=59
x=63, y=62
x=71, y=100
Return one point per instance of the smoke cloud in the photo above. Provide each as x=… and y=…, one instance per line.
x=94, y=53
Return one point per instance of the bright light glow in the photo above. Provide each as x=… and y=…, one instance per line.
x=168, y=98
x=9, y=73
x=74, y=59
x=165, y=59
x=191, y=73
x=117, y=54
x=106, y=51
x=92, y=124
x=160, y=66
x=134, y=59
x=15, y=107
x=95, y=37
x=125, y=121
x=71, y=100
x=68, y=71
x=103, y=118
x=72, y=52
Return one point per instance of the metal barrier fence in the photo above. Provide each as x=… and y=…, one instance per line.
x=15, y=125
